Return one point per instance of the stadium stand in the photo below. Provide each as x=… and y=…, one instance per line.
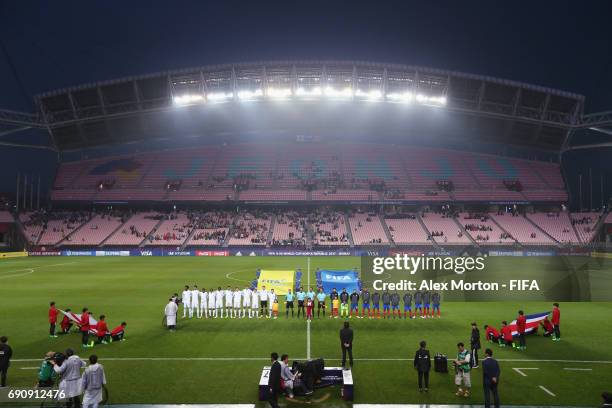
x=59, y=225
x=95, y=231
x=209, y=228
x=250, y=228
x=329, y=228
x=557, y=225
x=290, y=229
x=32, y=226
x=484, y=230
x=521, y=229
x=406, y=229
x=6, y=217
x=444, y=229
x=173, y=230
x=367, y=229
x=585, y=223
x=134, y=230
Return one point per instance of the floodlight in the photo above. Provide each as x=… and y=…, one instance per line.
x=302, y=92
x=339, y=93
x=373, y=94
x=219, y=96
x=248, y=94
x=187, y=99
x=403, y=97
x=279, y=92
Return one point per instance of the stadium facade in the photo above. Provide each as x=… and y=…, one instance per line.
x=305, y=155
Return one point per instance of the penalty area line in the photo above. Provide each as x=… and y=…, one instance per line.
x=546, y=390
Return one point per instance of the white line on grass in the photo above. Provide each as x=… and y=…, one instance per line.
x=29, y=368
x=546, y=390
x=229, y=275
x=520, y=370
x=29, y=271
x=578, y=369
x=301, y=358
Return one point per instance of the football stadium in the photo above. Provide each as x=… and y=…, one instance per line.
x=334, y=232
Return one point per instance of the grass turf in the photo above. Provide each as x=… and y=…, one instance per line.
x=136, y=290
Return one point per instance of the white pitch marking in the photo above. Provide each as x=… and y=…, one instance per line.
x=28, y=368
x=546, y=390
x=229, y=275
x=520, y=370
x=30, y=270
x=578, y=369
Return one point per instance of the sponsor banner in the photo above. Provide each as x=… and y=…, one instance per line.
x=211, y=253
x=348, y=280
x=505, y=253
x=177, y=253
x=70, y=252
x=298, y=252
x=112, y=253
x=280, y=281
x=13, y=254
x=44, y=253
x=246, y=252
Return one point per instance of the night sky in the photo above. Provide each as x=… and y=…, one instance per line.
x=52, y=44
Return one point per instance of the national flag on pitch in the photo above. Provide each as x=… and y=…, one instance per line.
x=76, y=318
x=533, y=321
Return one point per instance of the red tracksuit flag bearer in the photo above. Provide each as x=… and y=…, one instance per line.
x=85, y=328
x=118, y=333
x=556, y=319
x=521, y=325
x=547, y=326
x=309, y=307
x=102, y=329
x=506, y=332
x=491, y=334
x=52, y=319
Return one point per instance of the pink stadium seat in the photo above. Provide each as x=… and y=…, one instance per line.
x=407, y=231
x=449, y=232
x=557, y=225
x=250, y=229
x=521, y=229
x=94, y=232
x=329, y=228
x=367, y=229
x=483, y=230
x=585, y=223
x=173, y=231
x=135, y=230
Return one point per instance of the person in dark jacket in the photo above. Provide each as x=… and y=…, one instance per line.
x=346, y=341
x=274, y=381
x=5, y=359
x=475, y=345
x=490, y=378
x=422, y=363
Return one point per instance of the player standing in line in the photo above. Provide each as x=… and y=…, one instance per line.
x=407, y=305
x=491, y=334
x=365, y=302
x=521, y=325
x=435, y=300
x=237, y=298
x=386, y=301
x=301, y=296
x=344, y=307
x=246, y=301
x=376, y=305
x=229, y=297
x=354, y=304
x=203, y=303
x=254, y=312
x=211, y=303
x=395, y=301
x=219, y=303
x=418, y=303
x=309, y=308
x=333, y=298
x=186, y=300
x=263, y=302
x=271, y=299
x=289, y=303
x=506, y=333
x=426, y=299
x=195, y=302
x=555, y=320
x=320, y=303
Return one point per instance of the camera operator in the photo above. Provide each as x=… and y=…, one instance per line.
x=70, y=371
x=291, y=380
x=46, y=373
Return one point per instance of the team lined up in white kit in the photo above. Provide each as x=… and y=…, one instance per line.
x=235, y=303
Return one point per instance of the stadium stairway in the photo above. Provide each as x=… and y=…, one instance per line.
x=115, y=230
x=349, y=230
x=466, y=233
x=598, y=226
x=538, y=175
x=144, y=241
x=504, y=230
x=184, y=245
x=271, y=230
x=386, y=229
x=576, y=232
x=71, y=233
x=433, y=241
x=537, y=227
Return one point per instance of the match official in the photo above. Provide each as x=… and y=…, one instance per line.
x=490, y=379
x=422, y=363
x=274, y=381
x=346, y=341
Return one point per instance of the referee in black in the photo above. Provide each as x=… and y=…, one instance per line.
x=346, y=341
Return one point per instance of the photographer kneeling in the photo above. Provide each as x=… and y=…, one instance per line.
x=46, y=374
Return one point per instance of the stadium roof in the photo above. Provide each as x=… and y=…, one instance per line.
x=116, y=111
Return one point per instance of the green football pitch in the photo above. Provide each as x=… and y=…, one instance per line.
x=220, y=360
